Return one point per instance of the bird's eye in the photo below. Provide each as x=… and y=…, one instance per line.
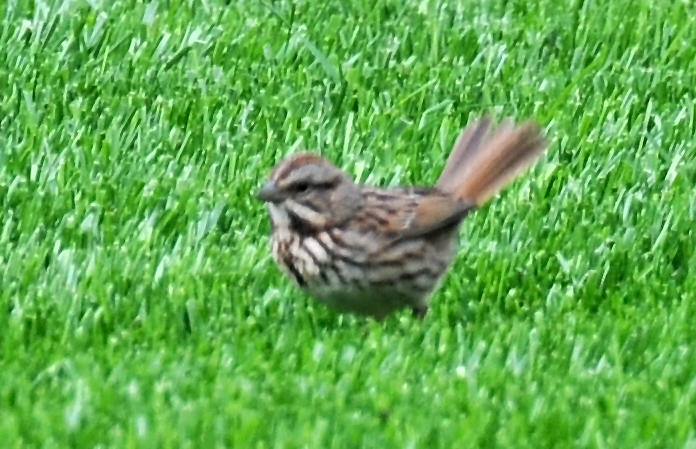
x=301, y=187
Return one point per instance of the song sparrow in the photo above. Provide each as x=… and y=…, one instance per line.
x=371, y=250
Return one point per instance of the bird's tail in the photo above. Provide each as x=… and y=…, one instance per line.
x=483, y=161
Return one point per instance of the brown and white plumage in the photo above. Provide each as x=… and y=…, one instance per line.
x=371, y=250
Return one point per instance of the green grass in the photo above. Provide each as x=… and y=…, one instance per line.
x=139, y=306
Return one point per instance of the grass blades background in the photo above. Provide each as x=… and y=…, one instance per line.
x=139, y=306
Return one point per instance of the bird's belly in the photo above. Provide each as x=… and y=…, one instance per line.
x=374, y=284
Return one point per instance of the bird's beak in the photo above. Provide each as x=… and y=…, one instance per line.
x=269, y=193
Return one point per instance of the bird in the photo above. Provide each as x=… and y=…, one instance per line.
x=372, y=251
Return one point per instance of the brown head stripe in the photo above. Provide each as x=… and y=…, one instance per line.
x=296, y=161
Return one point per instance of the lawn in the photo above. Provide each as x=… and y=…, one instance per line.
x=139, y=305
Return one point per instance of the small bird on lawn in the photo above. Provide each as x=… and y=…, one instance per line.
x=372, y=250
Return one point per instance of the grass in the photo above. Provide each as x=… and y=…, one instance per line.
x=139, y=306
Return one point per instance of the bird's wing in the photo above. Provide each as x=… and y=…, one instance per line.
x=409, y=212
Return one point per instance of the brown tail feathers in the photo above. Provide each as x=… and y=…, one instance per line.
x=483, y=161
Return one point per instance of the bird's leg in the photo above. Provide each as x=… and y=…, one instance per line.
x=419, y=311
